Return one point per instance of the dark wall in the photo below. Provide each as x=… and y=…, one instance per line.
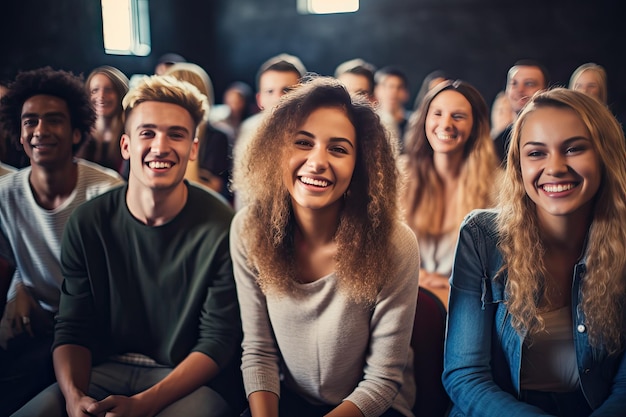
x=476, y=40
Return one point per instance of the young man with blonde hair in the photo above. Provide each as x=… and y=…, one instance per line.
x=149, y=322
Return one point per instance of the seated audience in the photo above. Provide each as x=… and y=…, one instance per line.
x=536, y=318
x=451, y=169
x=50, y=113
x=149, y=313
x=327, y=275
x=236, y=107
x=167, y=60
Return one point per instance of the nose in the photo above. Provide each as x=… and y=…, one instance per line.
x=40, y=128
x=556, y=165
x=159, y=144
x=318, y=160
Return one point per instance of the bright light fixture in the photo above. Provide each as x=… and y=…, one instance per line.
x=126, y=27
x=327, y=6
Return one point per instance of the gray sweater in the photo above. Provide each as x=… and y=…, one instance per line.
x=328, y=348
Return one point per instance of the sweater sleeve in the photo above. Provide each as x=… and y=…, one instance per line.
x=260, y=354
x=390, y=331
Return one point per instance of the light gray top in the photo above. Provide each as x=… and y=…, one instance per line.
x=328, y=348
x=30, y=236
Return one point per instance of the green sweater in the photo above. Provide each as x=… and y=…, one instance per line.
x=163, y=292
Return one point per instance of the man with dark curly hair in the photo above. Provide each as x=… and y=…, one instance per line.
x=50, y=113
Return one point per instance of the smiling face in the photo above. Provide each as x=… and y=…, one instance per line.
x=320, y=160
x=560, y=167
x=449, y=122
x=159, y=141
x=47, y=134
x=524, y=81
x=103, y=96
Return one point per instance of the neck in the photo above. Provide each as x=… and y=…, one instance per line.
x=317, y=227
x=52, y=186
x=448, y=166
x=566, y=233
x=155, y=207
x=106, y=127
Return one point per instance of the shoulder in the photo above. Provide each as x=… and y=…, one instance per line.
x=92, y=170
x=204, y=201
x=483, y=220
x=101, y=205
x=14, y=183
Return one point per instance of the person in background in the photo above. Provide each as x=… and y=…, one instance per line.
x=502, y=114
x=392, y=94
x=590, y=78
x=213, y=165
x=274, y=78
x=167, y=60
x=106, y=87
x=327, y=274
x=49, y=111
x=524, y=78
x=12, y=153
x=536, y=319
x=430, y=81
x=237, y=106
x=450, y=168
x=358, y=77
x=145, y=338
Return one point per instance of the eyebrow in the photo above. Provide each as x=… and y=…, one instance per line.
x=566, y=142
x=154, y=126
x=333, y=140
x=50, y=114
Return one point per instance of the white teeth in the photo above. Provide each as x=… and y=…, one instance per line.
x=558, y=188
x=444, y=137
x=159, y=164
x=311, y=181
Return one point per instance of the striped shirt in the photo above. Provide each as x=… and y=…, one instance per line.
x=30, y=236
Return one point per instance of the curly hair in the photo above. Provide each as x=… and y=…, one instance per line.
x=423, y=199
x=47, y=81
x=603, y=285
x=363, y=259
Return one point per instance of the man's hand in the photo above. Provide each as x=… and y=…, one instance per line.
x=77, y=406
x=24, y=304
x=121, y=406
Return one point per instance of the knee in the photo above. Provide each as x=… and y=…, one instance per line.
x=48, y=403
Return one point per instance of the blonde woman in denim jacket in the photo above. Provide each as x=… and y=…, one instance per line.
x=536, y=317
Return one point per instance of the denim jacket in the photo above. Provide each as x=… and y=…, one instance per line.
x=483, y=350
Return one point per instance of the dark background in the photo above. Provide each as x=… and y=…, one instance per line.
x=475, y=40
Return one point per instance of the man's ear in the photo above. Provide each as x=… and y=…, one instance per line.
x=124, y=145
x=193, y=154
x=76, y=136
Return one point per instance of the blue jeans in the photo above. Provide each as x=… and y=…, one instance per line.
x=112, y=378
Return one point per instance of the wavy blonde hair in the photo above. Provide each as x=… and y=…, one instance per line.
x=603, y=285
x=364, y=253
x=424, y=201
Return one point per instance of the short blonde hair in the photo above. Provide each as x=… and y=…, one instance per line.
x=167, y=89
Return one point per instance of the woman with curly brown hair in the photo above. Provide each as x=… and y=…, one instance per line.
x=450, y=169
x=536, y=321
x=326, y=273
